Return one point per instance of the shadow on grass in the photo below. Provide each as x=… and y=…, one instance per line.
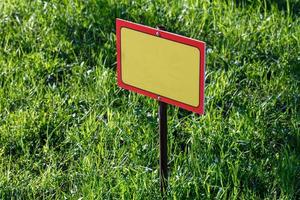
x=292, y=7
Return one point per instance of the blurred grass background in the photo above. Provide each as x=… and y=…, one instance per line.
x=67, y=130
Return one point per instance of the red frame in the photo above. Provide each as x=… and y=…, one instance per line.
x=170, y=36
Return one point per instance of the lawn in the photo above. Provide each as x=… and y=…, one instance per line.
x=67, y=131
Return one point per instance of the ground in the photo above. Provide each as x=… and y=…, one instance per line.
x=68, y=131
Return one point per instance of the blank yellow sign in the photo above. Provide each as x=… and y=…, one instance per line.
x=163, y=67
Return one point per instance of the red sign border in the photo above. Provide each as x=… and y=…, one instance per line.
x=169, y=36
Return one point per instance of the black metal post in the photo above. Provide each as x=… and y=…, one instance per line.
x=163, y=159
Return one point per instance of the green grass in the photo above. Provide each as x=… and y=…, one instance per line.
x=68, y=131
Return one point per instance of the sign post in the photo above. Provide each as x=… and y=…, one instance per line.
x=163, y=66
x=163, y=146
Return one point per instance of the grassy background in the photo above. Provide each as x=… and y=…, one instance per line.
x=68, y=131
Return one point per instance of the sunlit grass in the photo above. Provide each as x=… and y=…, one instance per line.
x=68, y=131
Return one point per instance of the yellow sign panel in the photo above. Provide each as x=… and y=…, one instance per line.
x=161, y=65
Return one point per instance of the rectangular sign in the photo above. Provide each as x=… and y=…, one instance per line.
x=161, y=65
